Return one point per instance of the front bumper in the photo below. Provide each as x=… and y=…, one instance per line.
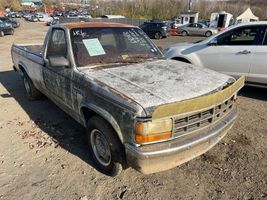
x=166, y=155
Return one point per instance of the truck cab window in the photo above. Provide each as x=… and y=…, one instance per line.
x=57, y=45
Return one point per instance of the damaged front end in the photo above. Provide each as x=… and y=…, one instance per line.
x=178, y=132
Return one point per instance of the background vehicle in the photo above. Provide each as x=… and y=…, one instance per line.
x=33, y=18
x=5, y=29
x=14, y=23
x=238, y=51
x=157, y=30
x=54, y=21
x=135, y=104
x=42, y=17
x=196, y=29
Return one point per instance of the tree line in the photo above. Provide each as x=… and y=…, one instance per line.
x=165, y=9
x=159, y=9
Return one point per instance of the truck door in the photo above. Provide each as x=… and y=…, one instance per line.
x=58, y=79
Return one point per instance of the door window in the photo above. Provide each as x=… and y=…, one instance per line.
x=241, y=36
x=191, y=25
x=57, y=45
x=199, y=26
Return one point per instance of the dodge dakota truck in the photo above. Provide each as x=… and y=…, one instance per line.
x=139, y=109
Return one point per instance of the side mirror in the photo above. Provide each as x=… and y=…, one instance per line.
x=58, y=61
x=213, y=42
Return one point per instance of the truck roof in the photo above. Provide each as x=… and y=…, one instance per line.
x=95, y=24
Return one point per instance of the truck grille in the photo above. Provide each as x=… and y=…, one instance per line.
x=191, y=122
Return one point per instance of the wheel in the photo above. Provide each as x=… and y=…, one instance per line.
x=2, y=34
x=208, y=34
x=105, y=147
x=158, y=36
x=12, y=32
x=184, y=33
x=32, y=92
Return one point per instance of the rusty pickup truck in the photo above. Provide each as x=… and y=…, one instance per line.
x=139, y=109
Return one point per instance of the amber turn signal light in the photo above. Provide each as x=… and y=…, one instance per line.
x=152, y=138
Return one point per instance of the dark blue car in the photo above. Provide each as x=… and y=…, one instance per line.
x=156, y=30
x=5, y=29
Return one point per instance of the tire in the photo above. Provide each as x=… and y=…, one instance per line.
x=2, y=34
x=208, y=34
x=105, y=147
x=158, y=36
x=32, y=92
x=184, y=33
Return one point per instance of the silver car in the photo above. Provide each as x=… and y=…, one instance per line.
x=196, y=29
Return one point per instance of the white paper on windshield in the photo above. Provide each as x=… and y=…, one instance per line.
x=94, y=47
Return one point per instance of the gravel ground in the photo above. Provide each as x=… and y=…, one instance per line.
x=43, y=152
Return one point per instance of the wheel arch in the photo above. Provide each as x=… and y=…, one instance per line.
x=88, y=111
x=182, y=59
x=208, y=31
x=22, y=69
x=187, y=33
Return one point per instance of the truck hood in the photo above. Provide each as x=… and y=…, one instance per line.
x=160, y=82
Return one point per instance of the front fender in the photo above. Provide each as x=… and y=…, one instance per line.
x=103, y=113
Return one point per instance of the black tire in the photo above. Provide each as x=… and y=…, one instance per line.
x=158, y=36
x=2, y=34
x=102, y=137
x=208, y=34
x=184, y=33
x=32, y=92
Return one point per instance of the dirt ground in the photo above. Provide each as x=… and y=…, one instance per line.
x=43, y=152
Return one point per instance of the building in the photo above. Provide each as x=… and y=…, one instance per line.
x=189, y=17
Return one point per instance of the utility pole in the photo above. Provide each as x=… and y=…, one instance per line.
x=189, y=5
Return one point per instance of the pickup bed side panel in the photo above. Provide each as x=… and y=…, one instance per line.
x=31, y=63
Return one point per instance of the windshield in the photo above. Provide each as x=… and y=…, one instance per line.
x=93, y=46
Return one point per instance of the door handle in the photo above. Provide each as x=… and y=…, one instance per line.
x=244, y=52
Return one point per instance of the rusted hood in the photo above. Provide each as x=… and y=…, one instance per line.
x=160, y=82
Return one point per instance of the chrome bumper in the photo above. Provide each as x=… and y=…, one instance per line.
x=166, y=155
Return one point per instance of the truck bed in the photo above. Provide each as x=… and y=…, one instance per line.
x=36, y=49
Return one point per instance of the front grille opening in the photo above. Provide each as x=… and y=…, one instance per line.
x=202, y=119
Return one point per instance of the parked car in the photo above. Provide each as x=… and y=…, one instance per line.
x=44, y=17
x=14, y=23
x=33, y=18
x=5, y=29
x=54, y=21
x=196, y=29
x=241, y=50
x=157, y=30
x=27, y=16
x=139, y=108
x=206, y=22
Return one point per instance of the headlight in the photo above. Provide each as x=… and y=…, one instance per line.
x=155, y=130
